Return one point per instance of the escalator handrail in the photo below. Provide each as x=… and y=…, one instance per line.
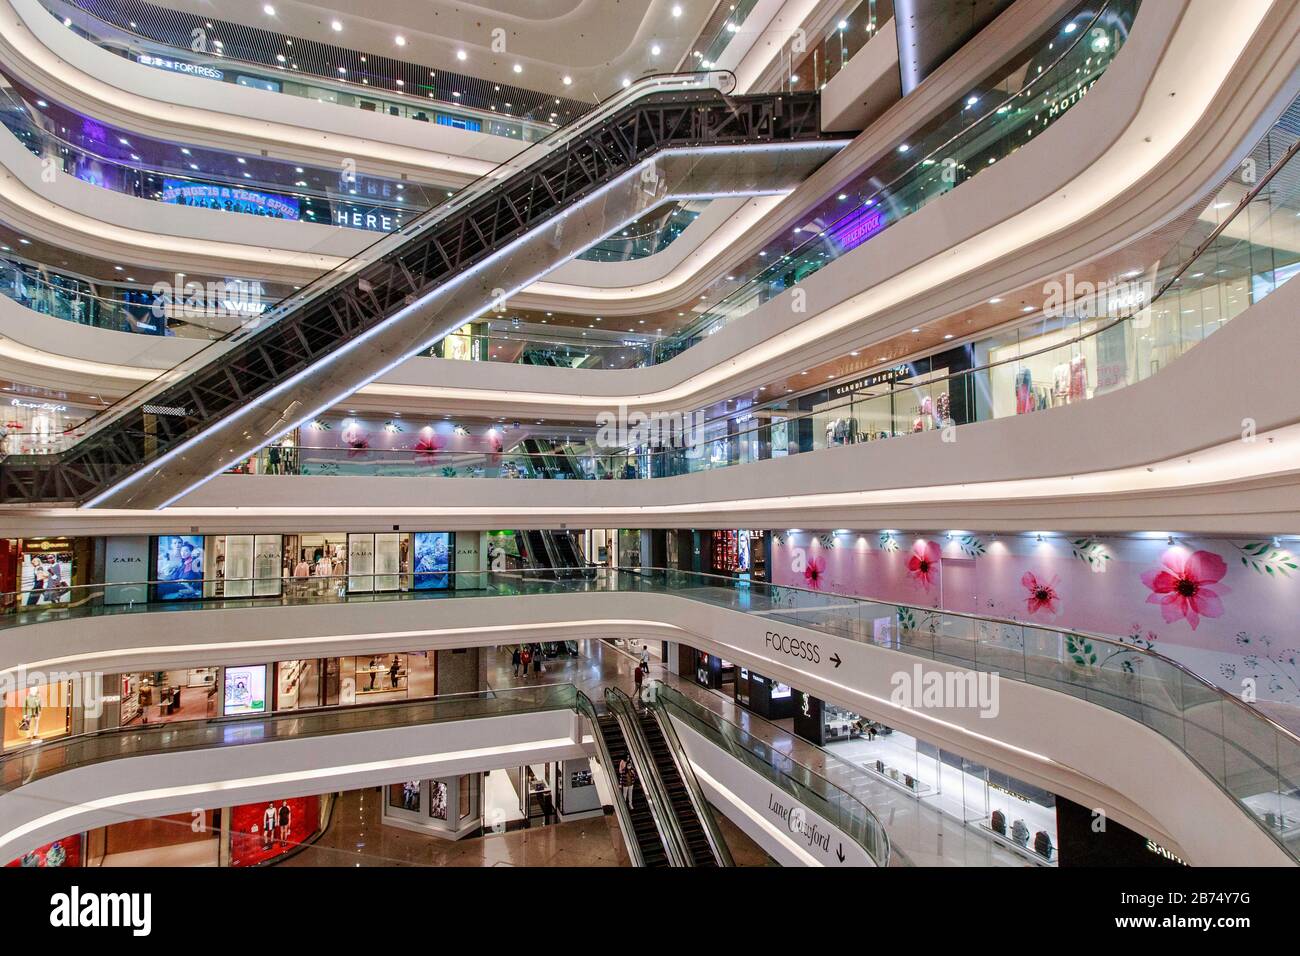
x=686, y=770
x=730, y=738
x=588, y=710
x=652, y=785
x=724, y=81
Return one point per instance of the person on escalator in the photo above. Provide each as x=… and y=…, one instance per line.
x=626, y=780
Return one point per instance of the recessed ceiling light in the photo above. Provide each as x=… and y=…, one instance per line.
x=517, y=68
x=399, y=40
x=994, y=301
x=948, y=336
x=903, y=148
x=568, y=81
x=655, y=50
x=462, y=55
x=677, y=10
x=626, y=82
x=335, y=26
x=268, y=10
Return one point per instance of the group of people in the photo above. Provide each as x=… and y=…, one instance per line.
x=526, y=656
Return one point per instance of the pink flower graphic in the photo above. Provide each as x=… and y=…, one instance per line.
x=1042, y=596
x=1182, y=586
x=426, y=449
x=923, y=565
x=812, y=573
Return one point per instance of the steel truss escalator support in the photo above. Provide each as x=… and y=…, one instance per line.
x=704, y=843
x=663, y=139
x=641, y=830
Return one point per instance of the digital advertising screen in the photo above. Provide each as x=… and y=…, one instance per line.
x=178, y=568
x=432, y=560
x=245, y=690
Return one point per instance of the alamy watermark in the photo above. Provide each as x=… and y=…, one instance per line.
x=1106, y=298
x=624, y=429
x=919, y=689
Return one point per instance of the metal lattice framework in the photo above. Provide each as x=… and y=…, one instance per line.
x=359, y=300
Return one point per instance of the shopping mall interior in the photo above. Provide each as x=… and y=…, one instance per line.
x=626, y=436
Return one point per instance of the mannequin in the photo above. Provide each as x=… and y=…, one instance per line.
x=32, y=713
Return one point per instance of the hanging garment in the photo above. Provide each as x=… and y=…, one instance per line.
x=1078, y=378
x=1061, y=383
x=1025, y=401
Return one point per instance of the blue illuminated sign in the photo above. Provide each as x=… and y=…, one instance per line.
x=181, y=192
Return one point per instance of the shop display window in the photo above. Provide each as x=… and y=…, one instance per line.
x=63, y=853
x=405, y=795
x=438, y=799
x=41, y=712
x=260, y=832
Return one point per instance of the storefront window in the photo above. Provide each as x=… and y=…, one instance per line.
x=376, y=678
x=165, y=696
x=37, y=713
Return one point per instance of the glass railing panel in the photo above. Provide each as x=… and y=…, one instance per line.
x=1252, y=758
x=803, y=784
x=22, y=767
x=414, y=97
x=944, y=158
x=666, y=85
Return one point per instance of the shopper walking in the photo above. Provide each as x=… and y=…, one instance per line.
x=514, y=659
x=645, y=658
x=537, y=660
x=626, y=780
x=526, y=658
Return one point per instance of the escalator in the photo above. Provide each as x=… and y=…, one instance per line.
x=662, y=138
x=646, y=844
x=694, y=817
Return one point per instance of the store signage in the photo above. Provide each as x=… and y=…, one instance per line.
x=126, y=558
x=884, y=377
x=365, y=217
x=179, y=66
x=788, y=820
x=857, y=227
x=181, y=192
x=794, y=647
x=38, y=406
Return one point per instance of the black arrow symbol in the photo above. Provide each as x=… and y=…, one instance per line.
x=840, y=852
x=835, y=658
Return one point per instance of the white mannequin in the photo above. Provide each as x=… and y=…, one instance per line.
x=32, y=711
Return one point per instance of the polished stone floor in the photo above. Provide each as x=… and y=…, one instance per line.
x=356, y=837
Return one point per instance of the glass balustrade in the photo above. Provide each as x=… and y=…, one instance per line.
x=390, y=87
x=1250, y=757
x=1099, y=340
x=985, y=127
x=972, y=135
x=806, y=786
x=203, y=178
x=21, y=767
